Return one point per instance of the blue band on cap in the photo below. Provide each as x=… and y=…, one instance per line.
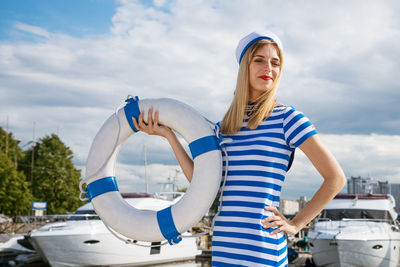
x=203, y=145
x=167, y=226
x=252, y=42
x=101, y=186
x=132, y=110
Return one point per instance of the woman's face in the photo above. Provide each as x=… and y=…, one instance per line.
x=264, y=68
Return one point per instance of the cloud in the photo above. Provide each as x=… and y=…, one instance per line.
x=340, y=69
x=32, y=29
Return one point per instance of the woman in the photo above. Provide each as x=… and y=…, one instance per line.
x=249, y=230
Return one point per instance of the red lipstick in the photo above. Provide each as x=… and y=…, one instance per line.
x=265, y=77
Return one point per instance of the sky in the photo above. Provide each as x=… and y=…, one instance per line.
x=65, y=66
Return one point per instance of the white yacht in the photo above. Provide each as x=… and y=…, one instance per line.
x=84, y=240
x=357, y=230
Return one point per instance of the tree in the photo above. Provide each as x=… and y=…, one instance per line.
x=54, y=177
x=15, y=196
x=10, y=146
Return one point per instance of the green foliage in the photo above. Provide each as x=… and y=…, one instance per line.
x=214, y=206
x=15, y=196
x=15, y=153
x=53, y=177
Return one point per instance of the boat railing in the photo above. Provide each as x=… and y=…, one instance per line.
x=168, y=195
x=344, y=222
x=23, y=224
x=83, y=217
x=373, y=220
x=356, y=219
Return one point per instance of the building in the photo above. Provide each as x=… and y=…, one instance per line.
x=395, y=192
x=302, y=202
x=292, y=207
x=288, y=207
x=359, y=185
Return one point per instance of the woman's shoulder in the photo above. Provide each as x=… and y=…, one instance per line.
x=282, y=108
x=285, y=109
x=286, y=112
x=280, y=105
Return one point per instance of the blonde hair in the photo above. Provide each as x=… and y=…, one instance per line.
x=263, y=105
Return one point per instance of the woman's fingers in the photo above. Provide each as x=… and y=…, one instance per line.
x=272, y=224
x=136, y=124
x=150, y=117
x=152, y=127
x=141, y=122
x=280, y=224
x=156, y=117
x=271, y=218
x=273, y=209
x=277, y=230
x=276, y=220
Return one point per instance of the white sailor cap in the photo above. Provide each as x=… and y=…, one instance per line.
x=253, y=37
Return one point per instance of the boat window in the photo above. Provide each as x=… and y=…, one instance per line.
x=84, y=215
x=339, y=214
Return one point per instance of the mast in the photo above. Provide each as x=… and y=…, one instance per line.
x=33, y=152
x=7, y=137
x=145, y=168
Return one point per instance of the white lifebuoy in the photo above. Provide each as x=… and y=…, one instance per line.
x=150, y=225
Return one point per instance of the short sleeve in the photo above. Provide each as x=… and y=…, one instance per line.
x=297, y=127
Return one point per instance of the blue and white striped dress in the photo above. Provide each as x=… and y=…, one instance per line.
x=258, y=161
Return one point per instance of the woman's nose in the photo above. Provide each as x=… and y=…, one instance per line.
x=268, y=67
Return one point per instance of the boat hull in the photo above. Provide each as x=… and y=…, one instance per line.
x=330, y=253
x=354, y=243
x=100, y=247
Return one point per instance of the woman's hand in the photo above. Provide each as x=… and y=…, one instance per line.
x=281, y=221
x=152, y=127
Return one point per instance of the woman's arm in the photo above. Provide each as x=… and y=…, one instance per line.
x=334, y=180
x=183, y=158
x=153, y=128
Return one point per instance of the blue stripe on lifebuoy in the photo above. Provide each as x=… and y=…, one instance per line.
x=101, y=186
x=167, y=226
x=203, y=145
x=132, y=110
